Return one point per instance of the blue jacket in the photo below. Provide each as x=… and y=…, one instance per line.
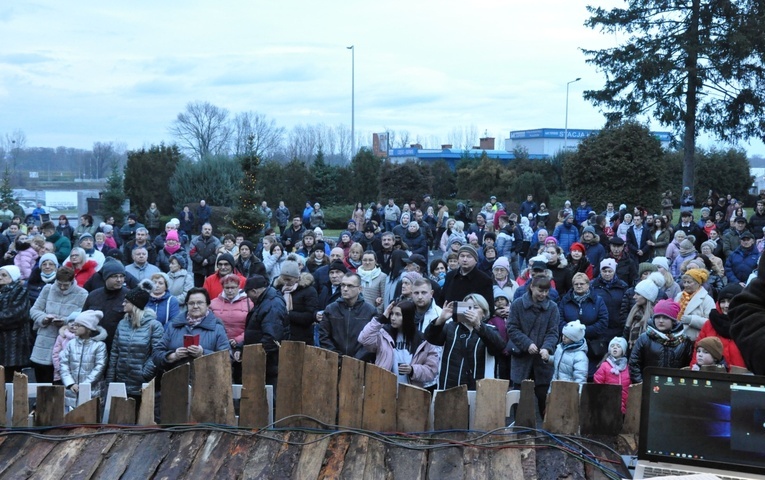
x=740, y=264
x=212, y=338
x=593, y=313
x=612, y=294
x=566, y=235
x=165, y=307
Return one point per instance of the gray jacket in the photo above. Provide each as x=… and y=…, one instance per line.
x=53, y=301
x=180, y=284
x=130, y=360
x=84, y=361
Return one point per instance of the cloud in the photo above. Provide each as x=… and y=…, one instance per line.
x=24, y=58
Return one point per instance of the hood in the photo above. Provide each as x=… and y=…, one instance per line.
x=306, y=280
x=239, y=296
x=64, y=332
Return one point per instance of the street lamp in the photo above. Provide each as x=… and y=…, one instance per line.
x=565, y=134
x=353, y=100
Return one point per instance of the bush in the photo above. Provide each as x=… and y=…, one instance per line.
x=337, y=216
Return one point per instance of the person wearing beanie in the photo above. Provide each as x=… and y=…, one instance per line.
x=687, y=251
x=42, y=274
x=609, y=286
x=742, y=261
x=566, y=233
x=583, y=305
x=614, y=371
x=578, y=262
x=708, y=249
x=500, y=275
x=570, y=361
x=171, y=246
x=248, y=264
x=640, y=304
x=695, y=302
x=468, y=279
x=709, y=354
x=663, y=344
x=109, y=298
x=301, y=301
x=224, y=265
x=15, y=336
x=84, y=358
x=719, y=326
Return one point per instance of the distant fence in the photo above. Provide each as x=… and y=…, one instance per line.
x=317, y=384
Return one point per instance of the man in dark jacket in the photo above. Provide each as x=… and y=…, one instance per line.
x=344, y=319
x=203, y=253
x=203, y=214
x=757, y=220
x=293, y=235
x=267, y=322
x=742, y=261
x=109, y=299
x=467, y=279
x=626, y=267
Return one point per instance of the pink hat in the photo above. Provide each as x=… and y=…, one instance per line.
x=172, y=235
x=551, y=239
x=667, y=308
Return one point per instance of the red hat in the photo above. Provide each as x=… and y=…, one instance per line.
x=577, y=246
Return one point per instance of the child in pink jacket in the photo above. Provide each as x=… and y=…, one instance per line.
x=65, y=334
x=614, y=369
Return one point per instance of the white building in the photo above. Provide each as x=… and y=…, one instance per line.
x=549, y=141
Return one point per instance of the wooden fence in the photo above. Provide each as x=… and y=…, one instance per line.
x=317, y=388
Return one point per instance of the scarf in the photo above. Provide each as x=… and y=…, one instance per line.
x=721, y=324
x=573, y=346
x=287, y=294
x=48, y=277
x=193, y=322
x=684, y=299
x=666, y=339
x=353, y=263
x=173, y=249
x=579, y=299
x=368, y=275
x=617, y=364
x=502, y=283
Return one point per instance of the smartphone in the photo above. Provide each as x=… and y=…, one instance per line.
x=460, y=309
x=189, y=340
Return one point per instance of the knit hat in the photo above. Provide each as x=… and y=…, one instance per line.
x=469, y=249
x=574, y=330
x=649, y=288
x=619, y=341
x=226, y=257
x=570, y=215
x=140, y=295
x=698, y=275
x=499, y=292
x=248, y=244
x=667, y=308
x=13, y=272
x=686, y=246
x=646, y=267
x=89, y=319
x=112, y=267
x=84, y=236
x=255, y=281
x=608, y=263
x=180, y=259
x=165, y=276
x=501, y=262
x=172, y=235
x=411, y=276
x=337, y=265
x=589, y=229
x=713, y=345
x=552, y=240
x=472, y=236
x=661, y=262
x=107, y=228
x=577, y=246
x=48, y=256
x=290, y=269
x=729, y=291
x=711, y=244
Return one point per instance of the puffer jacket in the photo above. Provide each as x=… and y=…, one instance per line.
x=570, y=362
x=376, y=338
x=26, y=259
x=64, y=337
x=83, y=274
x=212, y=338
x=340, y=328
x=163, y=258
x=740, y=264
x=273, y=265
x=417, y=242
x=130, y=359
x=233, y=314
x=165, y=307
x=608, y=374
x=84, y=361
x=305, y=303
x=612, y=293
x=593, y=313
x=180, y=284
x=268, y=325
x=53, y=301
x=656, y=349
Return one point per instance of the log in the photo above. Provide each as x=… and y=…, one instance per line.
x=379, y=400
x=91, y=454
x=451, y=410
x=490, y=404
x=406, y=463
x=412, y=409
x=212, y=400
x=287, y=459
x=20, y=400
x=335, y=458
x=447, y=463
x=289, y=395
x=350, y=393
x=253, y=407
x=49, y=411
x=261, y=460
x=562, y=412
x=181, y=449
x=311, y=457
x=600, y=409
x=149, y=455
x=355, y=458
x=319, y=386
x=174, y=400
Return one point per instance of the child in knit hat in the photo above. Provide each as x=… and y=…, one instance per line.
x=84, y=358
x=613, y=370
x=66, y=333
x=570, y=360
x=709, y=353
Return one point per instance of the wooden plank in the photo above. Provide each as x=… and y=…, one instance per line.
x=29, y=459
x=122, y=411
x=182, y=448
x=505, y=462
x=3, y=406
x=62, y=457
x=350, y=393
x=20, y=400
x=335, y=459
x=174, y=399
x=632, y=416
x=554, y=463
x=287, y=458
x=476, y=462
x=236, y=457
x=319, y=386
x=379, y=400
x=412, y=408
x=526, y=413
x=447, y=463
x=355, y=458
x=261, y=460
x=87, y=413
x=375, y=465
x=91, y=456
x=146, y=410
x=311, y=457
x=406, y=463
x=149, y=455
x=211, y=456
x=253, y=407
x=529, y=462
x=562, y=412
x=451, y=410
x=600, y=409
x=49, y=410
x=212, y=400
x=13, y=448
x=490, y=404
x=118, y=458
x=289, y=394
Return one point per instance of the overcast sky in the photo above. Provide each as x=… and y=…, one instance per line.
x=75, y=73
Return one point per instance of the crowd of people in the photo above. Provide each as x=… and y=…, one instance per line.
x=438, y=299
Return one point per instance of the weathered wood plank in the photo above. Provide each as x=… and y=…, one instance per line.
x=13, y=448
x=261, y=460
x=600, y=409
x=84, y=414
x=289, y=395
x=476, y=463
x=49, y=410
x=319, y=386
x=562, y=413
x=311, y=457
x=211, y=456
x=236, y=457
x=375, y=464
x=379, y=399
x=91, y=456
x=253, y=407
x=29, y=459
x=335, y=458
x=632, y=417
x=505, y=462
x=529, y=462
x=553, y=463
x=146, y=410
x=182, y=448
x=526, y=413
x=490, y=404
x=405, y=463
x=149, y=455
x=122, y=411
x=412, y=408
x=287, y=459
x=118, y=458
x=212, y=400
x=351, y=393
x=451, y=410
x=20, y=400
x=447, y=463
x=174, y=399
x=355, y=458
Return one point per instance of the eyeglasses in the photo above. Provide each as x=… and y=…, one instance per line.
x=347, y=285
x=196, y=304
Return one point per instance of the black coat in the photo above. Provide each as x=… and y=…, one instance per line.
x=204, y=249
x=458, y=286
x=654, y=350
x=305, y=303
x=267, y=324
x=15, y=324
x=747, y=329
x=109, y=302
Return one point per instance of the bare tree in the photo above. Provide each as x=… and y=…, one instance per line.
x=343, y=134
x=104, y=157
x=266, y=137
x=12, y=144
x=202, y=129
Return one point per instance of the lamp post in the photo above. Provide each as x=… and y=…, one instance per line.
x=565, y=134
x=353, y=100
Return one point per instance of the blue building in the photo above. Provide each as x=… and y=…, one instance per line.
x=452, y=156
x=549, y=141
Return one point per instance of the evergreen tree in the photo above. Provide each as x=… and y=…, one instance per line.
x=325, y=180
x=114, y=196
x=246, y=217
x=146, y=175
x=6, y=194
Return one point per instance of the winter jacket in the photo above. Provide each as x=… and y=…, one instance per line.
x=593, y=313
x=63, y=246
x=165, y=307
x=64, y=337
x=468, y=355
x=561, y=275
x=26, y=260
x=536, y=323
x=656, y=349
x=612, y=293
x=747, y=328
x=180, y=284
x=214, y=287
x=594, y=252
x=212, y=338
x=570, y=362
x=607, y=374
x=151, y=250
x=273, y=265
x=696, y=312
x=740, y=264
x=151, y=217
x=204, y=248
x=376, y=338
x=84, y=361
x=53, y=301
x=282, y=216
x=15, y=336
x=341, y=325
x=458, y=286
x=660, y=243
x=233, y=313
x=82, y=274
x=163, y=258
x=417, y=242
x=305, y=304
x=253, y=267
x=373, y=286
x=566, y=235
x=110, y=302
x=718, y=326
x=269, y=326
x=130, y=359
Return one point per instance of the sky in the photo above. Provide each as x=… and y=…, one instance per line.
x=75, y=73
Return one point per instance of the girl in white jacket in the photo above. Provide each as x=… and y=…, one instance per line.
x=84, y=358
